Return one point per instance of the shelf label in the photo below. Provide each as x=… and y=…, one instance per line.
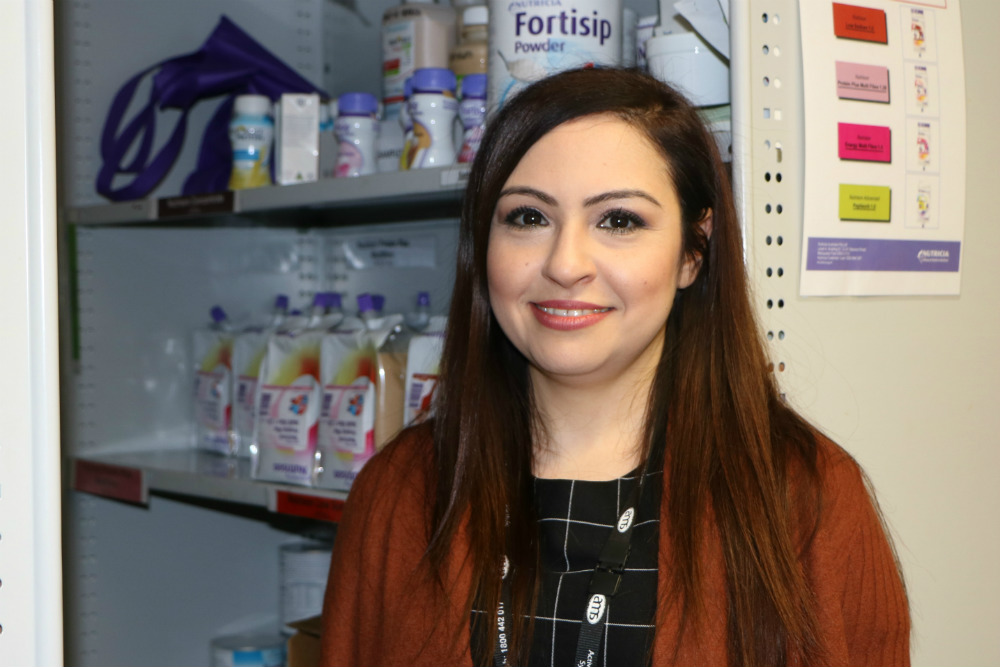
x=393, y=252
x=176, y=207
x=454, y=177
x=110, y=481
x=310, y=507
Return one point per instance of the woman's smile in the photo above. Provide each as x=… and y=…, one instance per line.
x=569, y=315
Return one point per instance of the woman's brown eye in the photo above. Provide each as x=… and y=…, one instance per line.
x=621, y=222
x=525, y=217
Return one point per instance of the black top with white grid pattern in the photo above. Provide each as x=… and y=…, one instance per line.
x=575, y=518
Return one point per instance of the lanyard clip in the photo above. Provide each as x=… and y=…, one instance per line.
x=606, y=579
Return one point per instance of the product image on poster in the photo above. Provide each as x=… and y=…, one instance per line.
x=918, y=34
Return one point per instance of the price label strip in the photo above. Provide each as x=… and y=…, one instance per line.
x=111, y=481
x=322, y=508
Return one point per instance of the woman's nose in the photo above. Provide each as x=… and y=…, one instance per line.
x=570, y=259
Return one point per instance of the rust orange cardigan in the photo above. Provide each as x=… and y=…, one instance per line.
x=382, y=607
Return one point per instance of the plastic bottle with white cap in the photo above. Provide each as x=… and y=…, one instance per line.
x=470, y=54
x=251, y=133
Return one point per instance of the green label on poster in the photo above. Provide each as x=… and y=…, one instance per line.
x=870, y=203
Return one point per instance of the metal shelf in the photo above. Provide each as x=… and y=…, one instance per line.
x=132, y=476
x=438, y=185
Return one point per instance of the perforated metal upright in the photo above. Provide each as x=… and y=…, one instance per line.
x=768, y=164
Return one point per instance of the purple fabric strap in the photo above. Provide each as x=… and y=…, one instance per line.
x=229, y=63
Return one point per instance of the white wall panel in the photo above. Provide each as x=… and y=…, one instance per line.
x=30, y=554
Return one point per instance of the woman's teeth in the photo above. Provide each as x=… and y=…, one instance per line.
x=560, y=312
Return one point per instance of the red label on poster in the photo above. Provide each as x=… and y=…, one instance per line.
x=310, y=507
x=864, y=23
x=109, y=481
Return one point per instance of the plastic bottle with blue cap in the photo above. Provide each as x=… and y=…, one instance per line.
x=357, y=129
x=434, y=110
x=472, y=111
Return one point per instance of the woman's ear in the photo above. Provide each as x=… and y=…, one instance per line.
x=693, y=260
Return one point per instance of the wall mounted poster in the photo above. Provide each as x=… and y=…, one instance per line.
x=884, y=199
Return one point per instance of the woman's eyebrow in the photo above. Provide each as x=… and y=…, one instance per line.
x=619, y=194
x=531, y=192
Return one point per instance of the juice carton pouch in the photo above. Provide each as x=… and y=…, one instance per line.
x=362, y=372
x=249, y=348
x=288, y=396
x=213, y=348
x=423, y=362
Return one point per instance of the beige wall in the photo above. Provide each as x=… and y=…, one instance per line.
x=911, y=386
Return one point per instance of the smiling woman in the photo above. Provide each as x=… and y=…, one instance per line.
x=611, y=476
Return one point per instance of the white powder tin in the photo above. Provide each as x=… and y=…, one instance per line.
x=531, y=39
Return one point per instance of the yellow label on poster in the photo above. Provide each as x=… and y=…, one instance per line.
x=870, y=203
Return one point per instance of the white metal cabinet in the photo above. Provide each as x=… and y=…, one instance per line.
x=151, y=585
x=30, y=584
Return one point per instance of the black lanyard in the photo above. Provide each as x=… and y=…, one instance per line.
x=604, y=584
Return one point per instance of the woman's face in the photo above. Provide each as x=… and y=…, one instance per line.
x=585, y=253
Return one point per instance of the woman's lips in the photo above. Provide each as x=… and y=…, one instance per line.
x=568, y=315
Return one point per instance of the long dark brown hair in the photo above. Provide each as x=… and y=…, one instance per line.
x=714, y=418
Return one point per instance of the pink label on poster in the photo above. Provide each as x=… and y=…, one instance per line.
x=867, y=83
x=870, y=143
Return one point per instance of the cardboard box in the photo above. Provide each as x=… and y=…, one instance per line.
x=296, y=137
x=303, y=646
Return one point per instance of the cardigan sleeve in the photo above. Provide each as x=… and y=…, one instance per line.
x=383, y=606
x=863, y=612
x=358, y=583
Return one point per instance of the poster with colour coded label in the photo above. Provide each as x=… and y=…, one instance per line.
x=884, y=115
